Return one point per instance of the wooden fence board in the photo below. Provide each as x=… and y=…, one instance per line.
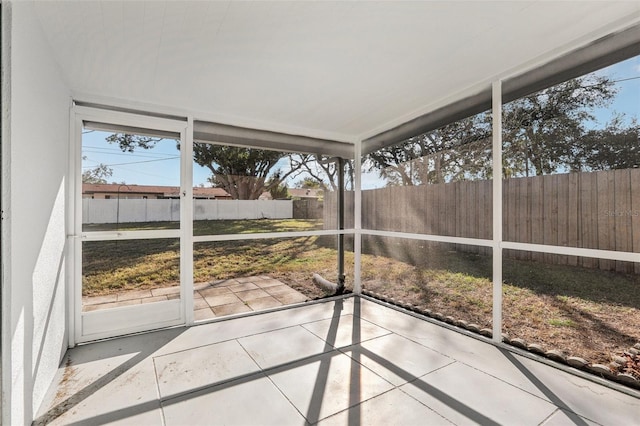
x=508, y=215
x=432, y=213
x=551, y=207
x=458, y=212
x=622, y=218
x=439, y=223
x=606, y=223
x=598, y=210
x=562, y=182
x=524, y=233
x=588, y=227
x=572, y=215
x=537, y=215
x=450, y=200
x=634, y=179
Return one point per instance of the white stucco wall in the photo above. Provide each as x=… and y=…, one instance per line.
x=34, y=195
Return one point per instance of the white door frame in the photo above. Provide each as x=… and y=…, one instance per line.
x=94, y=325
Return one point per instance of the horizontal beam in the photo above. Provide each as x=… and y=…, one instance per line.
x=209, y=132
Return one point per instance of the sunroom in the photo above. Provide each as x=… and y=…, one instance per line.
x=320, y=212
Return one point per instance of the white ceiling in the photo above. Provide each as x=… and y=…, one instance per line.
x=342, y=70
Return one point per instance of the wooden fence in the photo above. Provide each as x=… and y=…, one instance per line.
x=599, y=210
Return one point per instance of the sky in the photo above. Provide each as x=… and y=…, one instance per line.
x=161, y=164
x=627, y=99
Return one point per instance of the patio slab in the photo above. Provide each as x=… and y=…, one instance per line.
x=461, y=394
x=231, y=308
x=282, y=346
x=203, y=314
x=253, y=401
x=264, y=303
x=416, y=373
x=193, y=369
x=345, y=331
x=391, y=408
x=327, y=384
x=210, y=300
x=416, y=361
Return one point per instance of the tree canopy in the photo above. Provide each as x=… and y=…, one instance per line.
x=97, y=175
x=242, y=172
x=545, y=132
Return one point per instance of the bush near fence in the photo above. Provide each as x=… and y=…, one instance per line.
x=309, y=208
x=597, y=210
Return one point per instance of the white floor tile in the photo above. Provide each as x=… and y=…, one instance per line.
x=567, y=418
x=123, y=394
x=252, y=401
x=464, y=395
x=391, y=408
x=397, y=359
x=204, y=334
x=283, y=346
x=204, y=366
x=327, y=384
x=345, y=330
x=586, y=398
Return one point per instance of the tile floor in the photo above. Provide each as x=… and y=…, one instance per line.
x=346, y=362
x=216, y=299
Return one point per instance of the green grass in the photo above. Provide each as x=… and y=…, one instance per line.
x=562, y=323
x=110, y=266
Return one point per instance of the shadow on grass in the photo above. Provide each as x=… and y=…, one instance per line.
x=113, y=266
x=592, y=285
x=429, y=255
x=216, y=227
x=116, y=265
x=574, y=281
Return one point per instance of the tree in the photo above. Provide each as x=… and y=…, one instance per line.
x=322, y=169
x=309, y=183
x=542, y=132
x=457, y=151
x=614, y=147
x=97, y=175
x=278, y=191
x=242, y=172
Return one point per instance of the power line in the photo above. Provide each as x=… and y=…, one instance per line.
x=128, y=154
x=626, y=79
x=135, y=162
x=164, y=177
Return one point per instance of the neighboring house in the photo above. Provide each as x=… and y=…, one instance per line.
x=113, y=190
x=306, y=193
x=299, y=193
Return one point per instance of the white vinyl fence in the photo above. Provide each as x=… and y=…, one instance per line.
x=141, y=210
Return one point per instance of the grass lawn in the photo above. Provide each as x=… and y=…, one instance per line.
x=589, y=313
x=110, y=266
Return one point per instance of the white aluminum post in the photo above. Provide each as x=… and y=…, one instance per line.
x=75, y=192
x=496, y=94
x=357, y=220
x=186, y=222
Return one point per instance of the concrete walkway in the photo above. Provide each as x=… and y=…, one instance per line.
x=350, y=361
x=219, y=298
